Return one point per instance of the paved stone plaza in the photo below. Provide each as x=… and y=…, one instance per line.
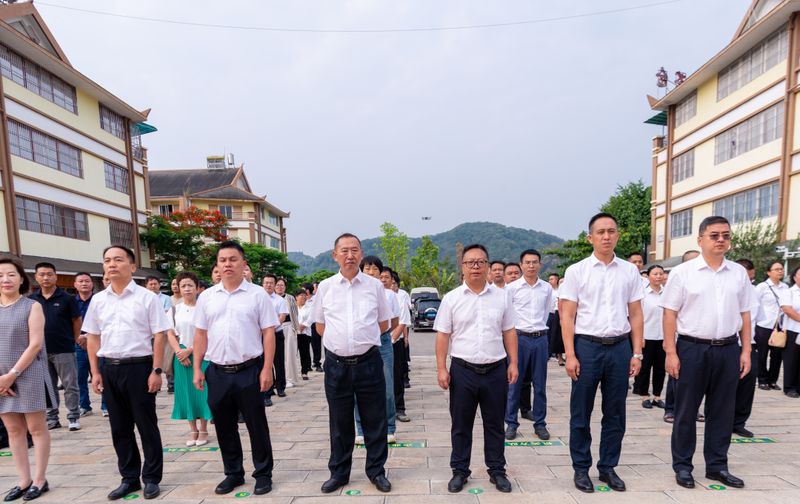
x=83, y=465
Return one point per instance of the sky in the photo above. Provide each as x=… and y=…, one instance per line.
x=529, y=125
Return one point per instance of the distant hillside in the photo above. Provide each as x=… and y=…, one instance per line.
x=504, y=243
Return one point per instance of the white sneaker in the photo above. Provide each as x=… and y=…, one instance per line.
x=105, y=413
x=391, y=438
x=74, y=425
x=289, y=384
x=359, y=439
x=85, y=412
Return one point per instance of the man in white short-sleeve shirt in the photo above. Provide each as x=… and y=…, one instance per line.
x=279, y=363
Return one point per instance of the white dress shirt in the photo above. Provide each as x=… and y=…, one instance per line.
x=756, y=313
x=304, y=314
x=394, y=304
x=126, y=322
x=404, y=298
x=709, y=303
x=405, y=315
x=770, y=301
x=184, y=324
x=789, y=323
x=475, y=322
x=281, y=307
x=653, y=314
x=602, y=293
x=532, y=303
x=234, y=321
x=351, y=312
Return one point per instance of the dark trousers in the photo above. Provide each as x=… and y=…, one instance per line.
x=769, y=365
x=228, y=395
x=533, y=355
x=279, y=364
x=713, y=372
x=468, y=390
x=745, y=393
x=399, y=349
x=525, y=391
x=129, y=403
x=344, y=385
x=791, y=364
x=316, y=346
x=653, y=362
x=669, y=401
x=607, y=366
x=82, y=358
x=304, y=348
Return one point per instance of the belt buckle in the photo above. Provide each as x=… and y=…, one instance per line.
x=717, y=342
x=607, y=341
x=350, y=361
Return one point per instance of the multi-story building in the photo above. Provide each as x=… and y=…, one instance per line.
x=73, y=168
x=222, y=187
x=732, y=143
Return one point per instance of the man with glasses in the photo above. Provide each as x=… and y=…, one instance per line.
x=532, y=298
x=601, y=315
x=475, y=322
x=707, y=304
x=774, y=296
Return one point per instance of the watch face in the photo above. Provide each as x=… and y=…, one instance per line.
x=157, y=371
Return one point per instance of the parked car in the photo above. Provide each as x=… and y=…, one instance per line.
x=424, y=292
x=424, y=311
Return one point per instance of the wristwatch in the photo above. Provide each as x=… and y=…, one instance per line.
x=638, y=356
x=14, y=372
x=158, y=371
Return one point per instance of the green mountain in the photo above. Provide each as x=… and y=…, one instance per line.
x=504, y=243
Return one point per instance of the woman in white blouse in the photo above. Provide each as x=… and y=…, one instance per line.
x=791, y=354
x=653, y=351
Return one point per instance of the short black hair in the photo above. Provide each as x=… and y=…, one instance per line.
x=203, y=285
x=497, y=261
x=530, y=252
x=269, y=275
x=82, y=273
x=45, y=265
x=654, y=266
x=710, y=221
x=300, y=292
x=128, y=252
x=187, y=274
x=510, y=265
x=387, y=269
x=25, y=286
x=476, y=246
x=345, y=235
x=794, y=274
x=280, y=279
x=601, y=215
x=151, y=277
x=634, y=254
x=230, y=244
x=554, y=274
x=396, y=277
x=746, y=263
x=371, y=260
x=309, y=287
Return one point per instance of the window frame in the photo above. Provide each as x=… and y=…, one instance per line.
x=22, y=142
x=47, y=218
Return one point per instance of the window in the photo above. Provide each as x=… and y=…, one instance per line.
x=760, y=129
x=111, y=121
x=274, y=243
x=40, y=148
x=273, y=219
x=683, y=166
x=40, y=217
x=37, y=79
x=749, y=205
x=116, y=177
x=686, y=109
x=753, y=63
x=121, y=233
x=165, y=210
x=681, y=223
x=226, y=210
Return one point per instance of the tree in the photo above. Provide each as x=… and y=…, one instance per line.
x=756, y=241
x=394, y=247
x=315, y=277
x=571, y=251
x=428, y=271
x=261, y=259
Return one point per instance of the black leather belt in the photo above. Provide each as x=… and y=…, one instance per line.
x=534, y=334
x=235, y=368
x=610, y=340
x=481, y=369
x=353, y=359
x=127, y=360
x=730, y=340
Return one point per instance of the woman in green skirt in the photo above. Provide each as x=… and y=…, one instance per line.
x=190, y=403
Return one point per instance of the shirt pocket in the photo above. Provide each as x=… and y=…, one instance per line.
x=492, y=318
x=366, y=310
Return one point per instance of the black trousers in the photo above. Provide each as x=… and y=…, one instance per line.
x=745, y=392
x=791, y=364
x=129, y=403
x=468, y=390
x=525, y=391
x=669, y=401
x=344, y=385
x=653, y=362
x=228, y=395
x=769, y=363
x=399, y=351
x=304, y=348
x=713, y=372
x=316, y=345
x=279, y=362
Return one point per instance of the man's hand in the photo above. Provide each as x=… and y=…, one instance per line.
x=513, y=373
x=199, y=380
x=636, y=366
x=154, y=383
x=444, y=379
x=573, y=367
x=744, y=364
x=82, y=341
x=673, y=364
x=97, y=383
x=265, y=379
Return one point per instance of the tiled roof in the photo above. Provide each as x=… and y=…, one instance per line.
x=165, y=183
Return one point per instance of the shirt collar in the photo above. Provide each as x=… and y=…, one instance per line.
x=594, y=260
x=360, y=276
x=244, y=286
x=131, y=287
x=650, y=289
x=701, y=263
x=56, y=293
x=465, y=288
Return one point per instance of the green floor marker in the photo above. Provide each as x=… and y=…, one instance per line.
x=5, y=454
x=475, y=491
x=602, y=488
x=717, y=487
x=408, y=444
x=196, y=449
x=755, y=440
x=131, y=497
x=241, y=495
x=534, y=443
x=353, y=492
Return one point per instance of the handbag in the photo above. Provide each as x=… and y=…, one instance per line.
x=778, y=337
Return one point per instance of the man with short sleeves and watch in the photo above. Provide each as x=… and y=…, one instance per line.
x=126, y=325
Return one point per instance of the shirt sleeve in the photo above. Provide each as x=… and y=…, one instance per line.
x=156, y=316
x=74, y=309
x=444, y=317
x=267, y=317
x=405, y=314
x=199, y=320
x=672, y=298
x=317, y=311
x=91, y=324
x=385, y=310
x=784, y=297
x=284, y=308
x=636, y=287
x=392, y=298
x=745, y=292
x=509, y=314
x=569, y=289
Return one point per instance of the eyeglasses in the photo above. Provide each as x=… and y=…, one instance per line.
x=475, y=264
x=717, y=236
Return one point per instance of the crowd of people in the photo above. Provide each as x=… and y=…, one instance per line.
x=701, y=330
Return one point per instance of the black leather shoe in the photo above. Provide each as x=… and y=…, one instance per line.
x=456, y=483
x=613, y=481
x=332, y=485
x=542, y=433
x=123, y=490
x=382, y=484
x=669, y=417
x=659, y=404
x=281, y=393
x=500, y=481
x=741, y=431
x=583, y=482
x=684, y=479
x=151, y=490
x=16, y=492
x=263, y=486
x=726, y=478
x=228, y=484
x=647, y=404
x=35, y=492
x=511, y=433
x=793, y=394
x=267, y=402
x=763, y=386
x=774, y=386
